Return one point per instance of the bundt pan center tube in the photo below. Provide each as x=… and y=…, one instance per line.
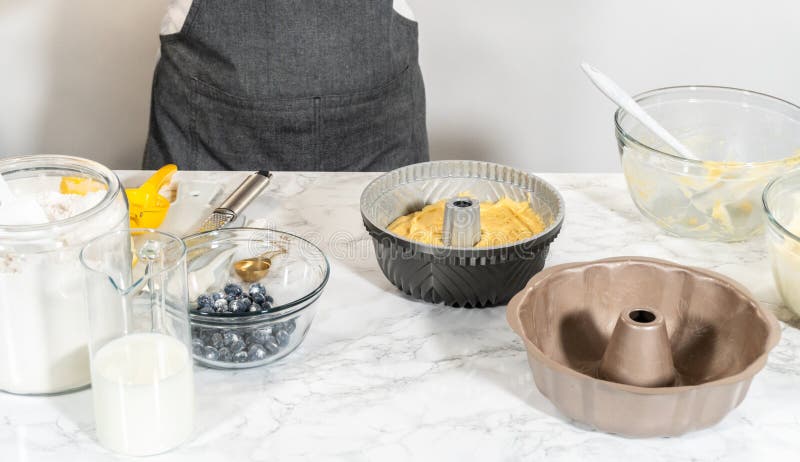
x=462, y=222
x=638, y=351
x=462, y=276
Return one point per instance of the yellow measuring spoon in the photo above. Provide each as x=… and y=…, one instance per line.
x=147, y=207
x=80, y=185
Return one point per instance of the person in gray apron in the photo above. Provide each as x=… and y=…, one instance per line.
x=289, y=85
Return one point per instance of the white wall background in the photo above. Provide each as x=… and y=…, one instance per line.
x=502, y=77
x=75, y=77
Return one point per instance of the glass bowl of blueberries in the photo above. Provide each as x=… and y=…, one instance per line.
x=251, y=294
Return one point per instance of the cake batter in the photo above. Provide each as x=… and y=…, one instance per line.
x=503, y=222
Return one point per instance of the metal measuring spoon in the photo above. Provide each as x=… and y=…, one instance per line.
x=256, y=268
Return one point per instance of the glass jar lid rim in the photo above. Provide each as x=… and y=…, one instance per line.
x=54, y=162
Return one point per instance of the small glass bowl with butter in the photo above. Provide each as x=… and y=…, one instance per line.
x=744, y=139
x=781, y=202
x=238, y=323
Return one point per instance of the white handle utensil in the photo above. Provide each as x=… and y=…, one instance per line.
x=625, y=101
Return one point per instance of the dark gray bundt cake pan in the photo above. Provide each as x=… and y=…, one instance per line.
x=458, y=276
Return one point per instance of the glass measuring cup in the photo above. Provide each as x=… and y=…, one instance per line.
x=140, y=341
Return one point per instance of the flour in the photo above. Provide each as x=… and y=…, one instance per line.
x=43, y=309
x=54, y=205
x=59, y=206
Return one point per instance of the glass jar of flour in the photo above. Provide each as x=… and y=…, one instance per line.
x=50, y=206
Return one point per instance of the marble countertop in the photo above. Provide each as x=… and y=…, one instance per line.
x=384, y=377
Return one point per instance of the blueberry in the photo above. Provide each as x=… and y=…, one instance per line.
x=282, y=337
x=210, y=353
x=216, y=340
x=269, y=299
x=237, y=346
x=256, y=353
x=204, y=300
x=220, y=305
x=257, y=289
x=262, y=335
x=258, y=298
x=271, y=345
x=225, y=354
x=197, y=347
x=240, y=357
x=233, y=289
x=229, y=337
x=235, y=306
x=217, y=295
x=254, y=308
x=246, y=302
x=206, y=310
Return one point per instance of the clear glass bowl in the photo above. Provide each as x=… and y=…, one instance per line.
x=743, y=138
x=296, y=279
x=781, y=201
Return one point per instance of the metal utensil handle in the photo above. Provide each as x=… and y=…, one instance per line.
x=246, y=193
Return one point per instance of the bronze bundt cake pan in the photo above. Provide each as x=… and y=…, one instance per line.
x=719, y=338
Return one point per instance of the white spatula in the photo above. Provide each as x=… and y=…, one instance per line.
x=616, y=94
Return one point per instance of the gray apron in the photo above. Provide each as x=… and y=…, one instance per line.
x=289, y=85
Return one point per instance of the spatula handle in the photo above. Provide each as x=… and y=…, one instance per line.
x=616, y=94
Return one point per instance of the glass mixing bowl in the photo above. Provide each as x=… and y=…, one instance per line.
x=259, y=335
x=781, y=201
x=744, y=139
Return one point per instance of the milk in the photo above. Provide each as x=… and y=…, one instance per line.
x=143, y=394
